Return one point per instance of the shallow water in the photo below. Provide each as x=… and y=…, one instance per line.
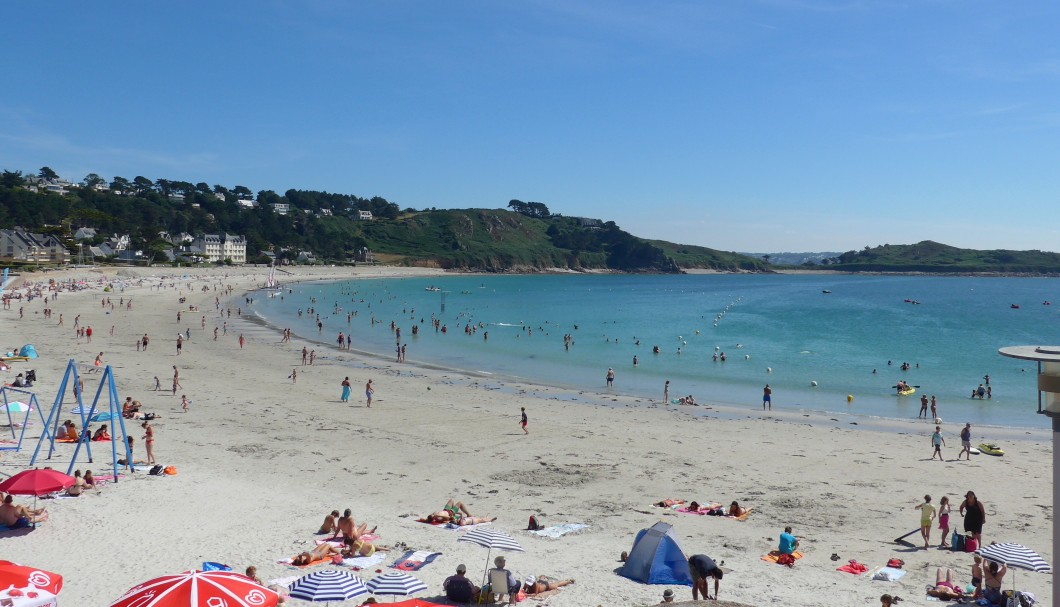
x=777, y=329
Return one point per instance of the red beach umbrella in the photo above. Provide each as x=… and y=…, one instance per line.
x=39, y=481
x=12, y=574
x=199, y=589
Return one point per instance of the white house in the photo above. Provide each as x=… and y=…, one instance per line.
x=85, y=234
x=20, y=245
x=281, y=207
x=364, y=215
x=218, y=247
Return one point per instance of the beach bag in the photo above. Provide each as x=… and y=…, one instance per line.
x=895, y=563
x=169, y=470
x=155, y=470
x=786, y=559
x=533, y=525
x=970, y=544
x=957, y=542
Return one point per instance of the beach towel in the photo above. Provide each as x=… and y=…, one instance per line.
x=853, y=567
x=364, y=562
x=888, y=574
x=338, y=541
x=775, y=555
x=290, y=562
x=556, y=531
x=541, y=596
x=742, y=517
x=414, y=560
x=455, y=527
x=283, y=581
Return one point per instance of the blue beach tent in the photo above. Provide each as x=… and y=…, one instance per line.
x=656, y=558
x=28, y=351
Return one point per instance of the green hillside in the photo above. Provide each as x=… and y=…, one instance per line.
x=929, y=256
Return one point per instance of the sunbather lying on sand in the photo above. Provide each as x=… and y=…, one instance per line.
x=457, y=513
x=696, y=507
x=668, y=503
x=543, y=583
x=356, y=547
x=945, y=588
x=322, y=551
x=736, y=510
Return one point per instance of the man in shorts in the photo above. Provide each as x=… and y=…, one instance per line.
x=767, y=398
x=966, y=441
x=702, y=567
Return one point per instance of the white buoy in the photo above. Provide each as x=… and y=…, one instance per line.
x=769, y=369
x=747, y=357
x=813, y=383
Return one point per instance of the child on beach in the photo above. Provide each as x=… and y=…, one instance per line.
x=184, y=402
x=937, y=442
x=944, y=520
x=522, y=422
x=927, y=515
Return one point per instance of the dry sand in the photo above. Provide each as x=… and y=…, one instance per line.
x=262, y=459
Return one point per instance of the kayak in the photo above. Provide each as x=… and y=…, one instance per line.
x=991, y=449
x=907, y=391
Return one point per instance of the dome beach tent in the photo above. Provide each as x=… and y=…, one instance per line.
x=656, y=558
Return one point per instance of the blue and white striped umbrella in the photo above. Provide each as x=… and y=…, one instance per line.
x=395, y=583
x=1015, y=555
x=328, y=585
x=491, y=538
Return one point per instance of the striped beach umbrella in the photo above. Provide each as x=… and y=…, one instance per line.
x=395, y=583
x=328, y=585
x=491, y=540
x=1015, y=555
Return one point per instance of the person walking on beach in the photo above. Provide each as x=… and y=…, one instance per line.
x=305, y=355
x=369, y=390
x=767, y=398
x=937, y=442
x=923, y=406
x=241, y=341
x=927, y=516
x=610, y=377
x=346, y=389
x=88, y=333
x=144, y=341
x=158, y=384
x=666, y=392
x=180, y=343
x=293, y=376
x=523, y=420
x=966, y=441
x=184, y=402
x=176, y=380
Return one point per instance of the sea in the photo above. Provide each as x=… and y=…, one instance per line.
x=825, y=342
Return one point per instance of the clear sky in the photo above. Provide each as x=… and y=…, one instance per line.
x=748, y=125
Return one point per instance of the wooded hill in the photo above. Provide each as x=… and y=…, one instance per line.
x=929, y=256
x=527, y=238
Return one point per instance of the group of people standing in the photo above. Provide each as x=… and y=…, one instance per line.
x=971, y=509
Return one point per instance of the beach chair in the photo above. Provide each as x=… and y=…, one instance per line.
x=499, y=586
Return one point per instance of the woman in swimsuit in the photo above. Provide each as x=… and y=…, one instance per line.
x=322, y=551
x=458, y=514
x=330, y=523
x=149, y=440
x=992, y=579
x=90, y=482
x=542, y=583
x=736, y=510
x=101, y=434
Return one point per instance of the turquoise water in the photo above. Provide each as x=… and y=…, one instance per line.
x=780, y=322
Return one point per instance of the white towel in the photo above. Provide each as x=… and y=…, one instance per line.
x=555, y=531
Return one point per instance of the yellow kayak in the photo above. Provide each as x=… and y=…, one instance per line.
x=991, y=449
x=907, y=391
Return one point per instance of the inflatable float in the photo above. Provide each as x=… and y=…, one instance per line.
x=991, y=449
x=907, y=391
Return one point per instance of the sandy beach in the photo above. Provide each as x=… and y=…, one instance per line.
x=261, y=459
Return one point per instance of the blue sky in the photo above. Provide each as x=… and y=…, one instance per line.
x=755, y=125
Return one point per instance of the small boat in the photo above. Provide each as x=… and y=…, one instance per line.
x=991, y=449
x=433, y=288
x=1014, y=306
x=825, y=291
